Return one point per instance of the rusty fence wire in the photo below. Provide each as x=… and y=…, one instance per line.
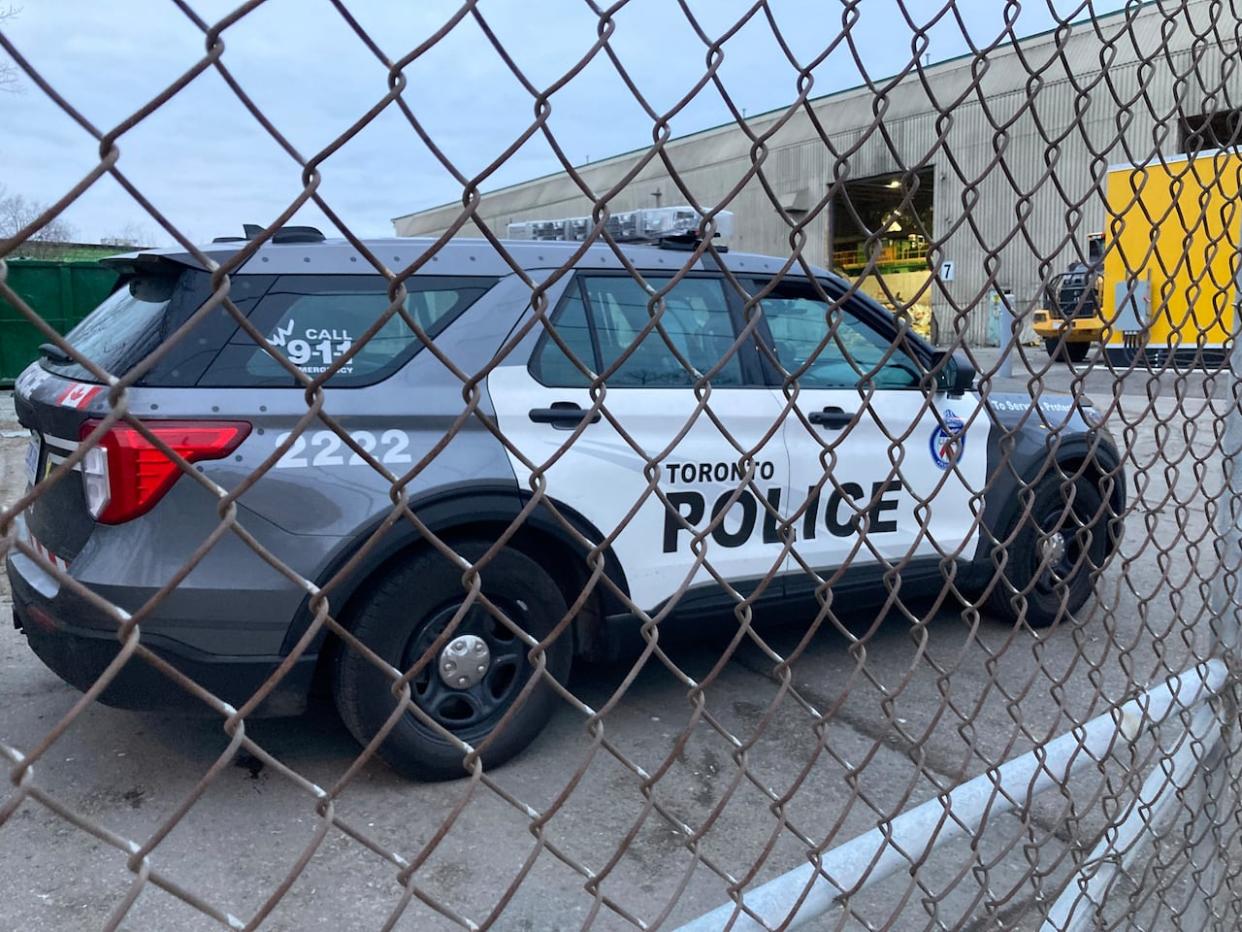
x=821, y=628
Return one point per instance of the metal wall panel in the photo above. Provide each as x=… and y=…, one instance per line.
x=1026, y=222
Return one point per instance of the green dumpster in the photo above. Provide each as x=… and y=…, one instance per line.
x=61, y=292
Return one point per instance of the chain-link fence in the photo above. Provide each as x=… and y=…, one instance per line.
x=690, y=586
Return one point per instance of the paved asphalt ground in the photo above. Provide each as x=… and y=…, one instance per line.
x=903, y=711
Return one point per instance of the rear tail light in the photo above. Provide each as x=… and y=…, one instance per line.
x=124, y=474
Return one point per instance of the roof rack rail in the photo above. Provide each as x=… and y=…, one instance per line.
x=282, y=234
x=665, y=227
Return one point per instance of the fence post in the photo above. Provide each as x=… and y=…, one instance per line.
x=1209, y=800
x=1008, y=332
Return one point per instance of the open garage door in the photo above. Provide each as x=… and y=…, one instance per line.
x=878, y=237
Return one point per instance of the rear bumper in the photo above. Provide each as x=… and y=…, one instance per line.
x=77, y=643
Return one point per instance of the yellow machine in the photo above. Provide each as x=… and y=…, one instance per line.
x=1072, y=316
x=1170, y=266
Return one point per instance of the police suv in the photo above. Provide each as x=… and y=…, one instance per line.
x=774, y=486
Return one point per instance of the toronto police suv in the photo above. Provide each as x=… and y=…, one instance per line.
x=873, y=463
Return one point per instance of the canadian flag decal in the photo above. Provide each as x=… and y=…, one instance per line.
x=78, y=395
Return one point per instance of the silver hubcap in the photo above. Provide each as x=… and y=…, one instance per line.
x=464, y=661
x=1053, y=549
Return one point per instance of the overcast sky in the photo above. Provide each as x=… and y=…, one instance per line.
x=209, y=165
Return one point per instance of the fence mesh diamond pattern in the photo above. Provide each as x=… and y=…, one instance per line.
x=859, y=645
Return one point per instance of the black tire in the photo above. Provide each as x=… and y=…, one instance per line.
x=1066, y=352
x=1049, y=589
x=409, y=606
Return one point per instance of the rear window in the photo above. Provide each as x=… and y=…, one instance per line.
x=126, y=326
x=144, y=311
x=313, y=320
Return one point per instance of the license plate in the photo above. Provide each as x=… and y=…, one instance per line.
x=32, y=459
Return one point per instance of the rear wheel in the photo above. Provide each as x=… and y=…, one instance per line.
x=472, y=680
x=1047, y=574
x=1077, y=352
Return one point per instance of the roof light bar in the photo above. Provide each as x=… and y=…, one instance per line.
x=658, y=225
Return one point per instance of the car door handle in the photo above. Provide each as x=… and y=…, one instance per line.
x=832, y=418
x=564, y=415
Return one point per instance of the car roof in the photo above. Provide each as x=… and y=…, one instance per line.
x=456, y=257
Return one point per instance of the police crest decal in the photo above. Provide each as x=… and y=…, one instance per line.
x=947, y=441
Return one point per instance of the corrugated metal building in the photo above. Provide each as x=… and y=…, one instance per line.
x=1117, y=88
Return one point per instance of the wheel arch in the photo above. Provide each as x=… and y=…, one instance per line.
x=474, y=511
x=1094, y=455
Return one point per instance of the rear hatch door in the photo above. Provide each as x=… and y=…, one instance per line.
x=56, y=395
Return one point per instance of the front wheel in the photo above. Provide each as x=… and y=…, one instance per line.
x=1048, y=571
x=472, y=680
x=1065, y=351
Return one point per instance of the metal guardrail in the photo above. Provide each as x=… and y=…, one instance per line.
x=810, y=891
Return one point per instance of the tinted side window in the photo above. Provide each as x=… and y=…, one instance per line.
x=314, y=319
x=696, y=323
x=696, y=319
x=827, y=346
x=549, y=364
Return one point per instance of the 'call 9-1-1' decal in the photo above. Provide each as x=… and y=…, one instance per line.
x=843, y=510
x=325, y=448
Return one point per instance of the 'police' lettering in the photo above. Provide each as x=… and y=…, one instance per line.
x=770, y=535
x=837, y=527
x=842, y=513
x=880, y=505
x=810, y=518
x=693, y=515
x=841, y=516
x=726, y=538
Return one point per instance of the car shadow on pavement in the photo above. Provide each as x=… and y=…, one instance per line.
x=317, y=744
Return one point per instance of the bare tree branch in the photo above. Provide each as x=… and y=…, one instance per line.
x=16, y=213
x=132, y=234
x=8, y=72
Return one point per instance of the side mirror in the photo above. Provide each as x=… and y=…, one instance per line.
x=958, y=375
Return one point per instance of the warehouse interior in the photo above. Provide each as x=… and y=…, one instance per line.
x=896, y=212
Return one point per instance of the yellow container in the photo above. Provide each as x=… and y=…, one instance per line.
x=1171, y=254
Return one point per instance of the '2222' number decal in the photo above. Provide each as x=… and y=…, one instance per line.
x=325, y=448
